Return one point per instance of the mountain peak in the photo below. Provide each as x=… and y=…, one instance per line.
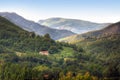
x=8, y=13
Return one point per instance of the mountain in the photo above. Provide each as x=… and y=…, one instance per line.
x=89, y=60
x=111, y=30
x=14, y=38
x=35, y=27
x=74, y=25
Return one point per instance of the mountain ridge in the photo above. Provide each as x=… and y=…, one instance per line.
x=74, y=25
x=35, y=27
x=13, y=38
x=113, y=29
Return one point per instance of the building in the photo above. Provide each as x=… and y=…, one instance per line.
x=44, y=52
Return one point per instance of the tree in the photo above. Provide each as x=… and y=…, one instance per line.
x=53, y=49
x=87, y=76
x=47, y=36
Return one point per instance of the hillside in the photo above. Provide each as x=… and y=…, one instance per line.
x=20, y=58
x=74, y=25
x=35, y=27
x=103, y=49
x=14, y=38
x=111, y=30
x=91, y=59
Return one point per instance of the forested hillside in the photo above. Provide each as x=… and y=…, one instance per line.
x=13, y=38
x=103, y=49
x=20, y=58
x=89, y=59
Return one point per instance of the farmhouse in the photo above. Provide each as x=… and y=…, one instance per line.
x=44, y=52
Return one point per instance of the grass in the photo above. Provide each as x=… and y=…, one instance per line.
x=65, y=53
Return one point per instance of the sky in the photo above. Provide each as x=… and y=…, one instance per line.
x=100, y=11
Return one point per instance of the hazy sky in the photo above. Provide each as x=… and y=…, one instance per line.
x=91, y=10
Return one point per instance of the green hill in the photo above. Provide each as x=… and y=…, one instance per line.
x=13, y=38
x=103, y=49
x=90, y=59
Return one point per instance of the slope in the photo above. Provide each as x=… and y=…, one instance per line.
x=74, y=25
x=35, y=27
x=109, y=31
x=14, y=38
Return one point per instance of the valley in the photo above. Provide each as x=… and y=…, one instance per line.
x=30, y=51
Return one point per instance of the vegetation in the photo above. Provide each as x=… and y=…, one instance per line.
x=89, y=59
x=13, y=38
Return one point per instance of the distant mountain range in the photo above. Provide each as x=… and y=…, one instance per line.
x=109, y=31
x=74, y=25
x=35, y=27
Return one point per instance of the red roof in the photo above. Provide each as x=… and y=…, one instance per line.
x=44, y=52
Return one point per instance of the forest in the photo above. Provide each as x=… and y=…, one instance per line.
x=90, y=59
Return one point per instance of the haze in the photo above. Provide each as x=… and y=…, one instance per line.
x=91, y=10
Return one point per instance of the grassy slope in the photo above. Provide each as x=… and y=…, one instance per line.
x=67, y=52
